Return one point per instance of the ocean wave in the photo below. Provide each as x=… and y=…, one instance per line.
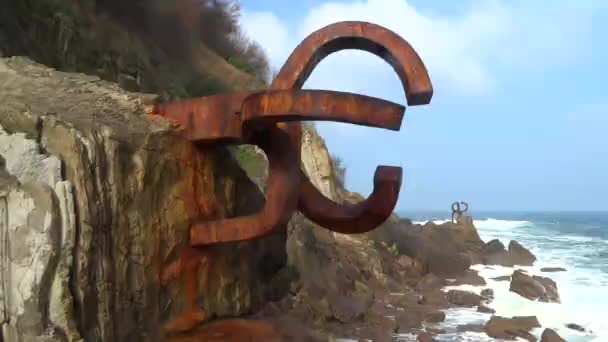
x=492, y=223
x=575, y=238
x=489, y=223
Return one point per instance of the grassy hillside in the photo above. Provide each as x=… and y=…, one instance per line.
x=176, y=48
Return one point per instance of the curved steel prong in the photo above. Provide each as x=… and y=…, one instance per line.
x=361, y=36
x=418, y=90
x=353, y=218
x=281, y=197
x=322, y=105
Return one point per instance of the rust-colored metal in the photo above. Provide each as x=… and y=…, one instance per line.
x=417, y=88
x=271, y=119
x=190, y=263
x=244, y=117
x=360, y=36
x=353, y=218
x=322, y=105
x=281, y=196
x=201, y=123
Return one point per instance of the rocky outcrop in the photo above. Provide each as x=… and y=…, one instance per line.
x=37, y=232
x=464, y=298
x=316, y=163
x=552, y=269
x=485, y=309
x=534, y=287
x=96, y=202
x=574, y=326
x=520, y=254
x=549, y=335
x=511, y=328
x=446, y=250
x=495, y=253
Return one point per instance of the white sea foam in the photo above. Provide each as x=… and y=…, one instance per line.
x=490, y=223
x=583, y=288
x=495, y=224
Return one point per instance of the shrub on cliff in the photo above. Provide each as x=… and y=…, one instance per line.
x=151, y=46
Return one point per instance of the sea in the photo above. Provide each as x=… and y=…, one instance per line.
x=576, y=241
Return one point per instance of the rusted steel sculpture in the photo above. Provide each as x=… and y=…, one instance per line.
x=459, y=208
x=271, y=119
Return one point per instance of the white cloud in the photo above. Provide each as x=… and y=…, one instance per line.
x=463, y=53
x=270, y=32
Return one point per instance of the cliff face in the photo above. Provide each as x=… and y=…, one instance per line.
x=95, y=203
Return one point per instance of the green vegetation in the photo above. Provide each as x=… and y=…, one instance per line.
x=144, y=45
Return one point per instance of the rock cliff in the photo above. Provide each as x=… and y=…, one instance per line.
x=96, y=201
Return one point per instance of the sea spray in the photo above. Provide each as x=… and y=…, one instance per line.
x=576, y=242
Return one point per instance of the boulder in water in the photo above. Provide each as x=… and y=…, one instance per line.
x=575, y=326
x=494, y=246
x=549, y=335
x=485, y=309
x=520, y=254
x=464, y=298
x=510, y=328
x=552, y=269
x=470, y=277
x=487, y=294
x=502, y=278
x=447, y=250
x=425, y=337
x=435, y=316
x=534, y=287
x=494, y=253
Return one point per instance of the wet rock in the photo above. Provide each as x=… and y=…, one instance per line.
x=349, y=308
x=534, y=288
x=409, y=264
x=430, y=282
x=510, y=328
x=485, y=309
x=236, y=330
x=502, y=278
x=549, y=335
x=470, y=328
x=436, y=331
x=470, y=277
x=487, y=294
x=575, y=326
x=437, y=298
x=496, y=254
x=463, y=298
x=435, y=317
x=552, y=269
x=446, y=250
x=520, y=254
x=551, y=293
x=425, y=337
x=494, y=246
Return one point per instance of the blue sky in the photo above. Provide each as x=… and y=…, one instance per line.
x=519, y=116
